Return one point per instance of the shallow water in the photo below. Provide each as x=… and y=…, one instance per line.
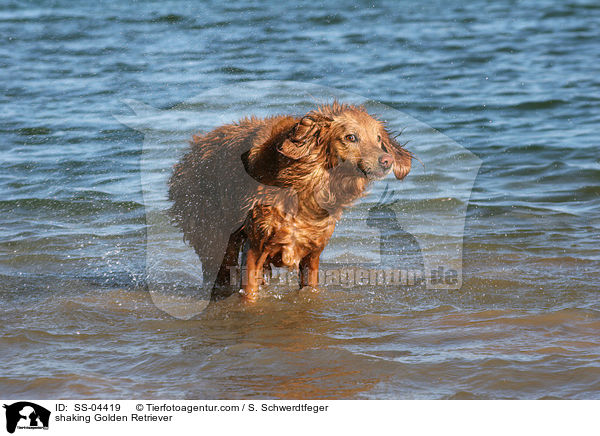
x=80, y=199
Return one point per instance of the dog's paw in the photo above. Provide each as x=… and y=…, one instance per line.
x=249, y=297
x=309, y=290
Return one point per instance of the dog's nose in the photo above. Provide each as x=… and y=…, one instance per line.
x=385, y=160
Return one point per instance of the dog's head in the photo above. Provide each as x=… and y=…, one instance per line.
x=344, y=134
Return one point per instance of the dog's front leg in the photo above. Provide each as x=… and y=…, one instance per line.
x=309, y=270
x=254, y=272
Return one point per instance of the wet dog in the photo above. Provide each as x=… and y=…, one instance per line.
x=275, y=188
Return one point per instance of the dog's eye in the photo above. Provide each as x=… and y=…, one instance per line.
x=351, y=138
x=378, y=138
x=384, y=148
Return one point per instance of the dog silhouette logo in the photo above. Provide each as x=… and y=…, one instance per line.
x=418, y=231
x=26, y=415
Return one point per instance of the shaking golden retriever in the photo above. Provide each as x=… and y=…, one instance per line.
x=274, y=189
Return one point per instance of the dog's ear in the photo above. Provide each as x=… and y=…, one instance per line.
x=402, y=157
x=304, y=136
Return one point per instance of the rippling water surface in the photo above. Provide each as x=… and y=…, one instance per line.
x=517, y=84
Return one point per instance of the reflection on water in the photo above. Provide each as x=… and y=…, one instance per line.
x=333, y=344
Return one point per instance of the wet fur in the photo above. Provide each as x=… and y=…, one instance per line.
x=277, y=185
